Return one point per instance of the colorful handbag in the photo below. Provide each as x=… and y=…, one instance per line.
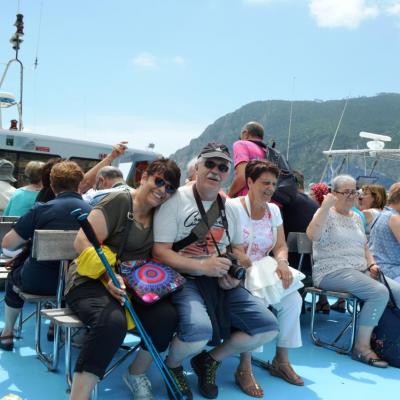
x=149, y=281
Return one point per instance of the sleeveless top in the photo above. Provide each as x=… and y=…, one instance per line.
x=341, y=245
x=384, y=245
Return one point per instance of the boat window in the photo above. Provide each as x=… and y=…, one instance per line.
x=85, y=163
x=20, y=159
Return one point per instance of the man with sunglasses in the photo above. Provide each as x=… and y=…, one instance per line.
x=211, y=306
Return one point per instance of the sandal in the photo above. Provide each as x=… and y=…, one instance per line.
x=285, y=371
x=7, y=346
x=246, y=381
x=323, y=307
x=339, y=306
x=373, y=361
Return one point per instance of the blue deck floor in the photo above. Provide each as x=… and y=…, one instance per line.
x=327, y=375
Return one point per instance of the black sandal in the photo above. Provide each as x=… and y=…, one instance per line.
x=339, y=306
x=9, y=346
x=373, y=362
x=323, y=307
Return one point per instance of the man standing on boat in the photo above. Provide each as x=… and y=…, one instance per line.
x=251, y=147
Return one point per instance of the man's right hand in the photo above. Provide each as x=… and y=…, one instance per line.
x=215, y=266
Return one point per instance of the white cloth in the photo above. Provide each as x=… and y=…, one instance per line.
x=6, y=191
x=289, y=308
x=176, y=218
x=341, y=245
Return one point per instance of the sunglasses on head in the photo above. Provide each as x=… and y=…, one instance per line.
x=161, y=182
x=210, y=164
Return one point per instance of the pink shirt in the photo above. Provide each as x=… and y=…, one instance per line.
x=245, y=151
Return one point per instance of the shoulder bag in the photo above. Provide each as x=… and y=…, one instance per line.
x=261, y=278
x=147, y=280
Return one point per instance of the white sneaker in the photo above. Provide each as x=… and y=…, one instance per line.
x=139, y=385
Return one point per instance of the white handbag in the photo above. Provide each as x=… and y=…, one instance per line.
x=261, y=279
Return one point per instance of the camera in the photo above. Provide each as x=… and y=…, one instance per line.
x=236, y=270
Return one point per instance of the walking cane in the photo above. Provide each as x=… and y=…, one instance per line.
x=165, y=373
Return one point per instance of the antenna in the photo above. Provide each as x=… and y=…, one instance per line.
x=375, y=136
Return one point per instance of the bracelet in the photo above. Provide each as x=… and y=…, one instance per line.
x=371, y=265
x=283, y=259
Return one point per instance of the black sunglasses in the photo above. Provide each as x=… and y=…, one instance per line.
x=161, y=182
x=210, y=164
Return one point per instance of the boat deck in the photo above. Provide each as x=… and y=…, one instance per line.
x=327, y=375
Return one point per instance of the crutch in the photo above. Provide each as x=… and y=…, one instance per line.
x=165, y=373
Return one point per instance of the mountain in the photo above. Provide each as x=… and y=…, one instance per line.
x=313, y=127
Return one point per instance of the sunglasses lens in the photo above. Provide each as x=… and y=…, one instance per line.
x=211, y=165
x=159, y=182
x=169, y=189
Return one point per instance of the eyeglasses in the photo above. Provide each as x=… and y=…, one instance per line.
x=348, y=193
x=161, y=182
x=210, y=164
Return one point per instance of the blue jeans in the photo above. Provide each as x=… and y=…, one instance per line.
x=247, y=313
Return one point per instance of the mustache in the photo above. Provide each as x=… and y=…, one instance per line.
x=211, y=175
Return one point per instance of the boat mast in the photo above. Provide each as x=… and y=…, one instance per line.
x=16, y=41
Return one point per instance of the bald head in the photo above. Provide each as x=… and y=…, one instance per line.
x=252, y=130
x=108, y=176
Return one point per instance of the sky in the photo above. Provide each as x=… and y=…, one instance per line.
x=161, y=71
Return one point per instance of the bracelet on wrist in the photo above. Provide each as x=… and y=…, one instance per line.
x=283, y=260
x=371, y=265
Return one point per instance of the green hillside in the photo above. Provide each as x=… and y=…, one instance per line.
x=313, y=127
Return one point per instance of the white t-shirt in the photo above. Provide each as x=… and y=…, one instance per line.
x=176, y=218
x=263, y=238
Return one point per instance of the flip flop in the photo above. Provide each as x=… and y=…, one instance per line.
x=363, y=357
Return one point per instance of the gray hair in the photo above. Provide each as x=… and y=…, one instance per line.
x=340, y=180
x=110, y=172
x=33, y=171
x=191, y=170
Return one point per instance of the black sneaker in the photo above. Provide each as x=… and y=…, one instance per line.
x=179, y=375
x=205, y=368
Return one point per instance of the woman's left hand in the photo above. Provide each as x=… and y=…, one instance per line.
x=284, y=274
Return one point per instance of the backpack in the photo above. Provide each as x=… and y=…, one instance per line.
x=286, y=187
x=385, y=339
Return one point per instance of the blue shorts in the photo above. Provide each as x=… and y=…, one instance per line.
x=248, y=314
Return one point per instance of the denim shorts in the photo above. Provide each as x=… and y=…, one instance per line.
x=248, y=314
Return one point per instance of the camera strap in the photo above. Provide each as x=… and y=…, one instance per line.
x=222, y=214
